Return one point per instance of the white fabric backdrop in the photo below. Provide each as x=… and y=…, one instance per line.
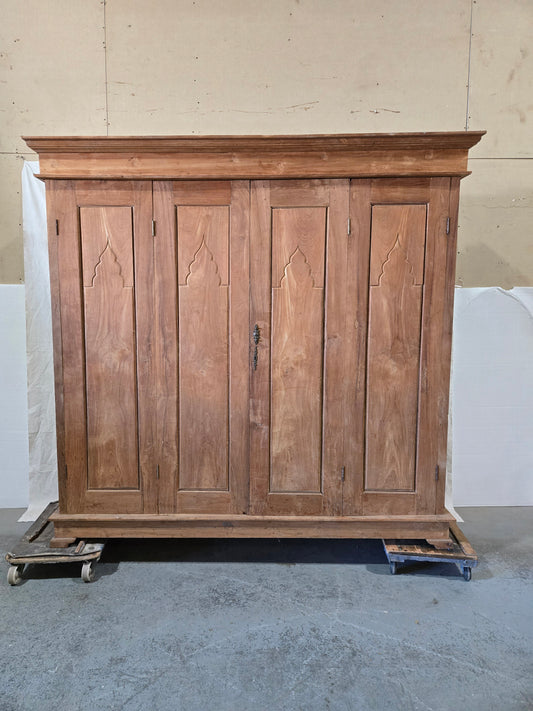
x=13, y=401
x=41, y=405
x=492, y=391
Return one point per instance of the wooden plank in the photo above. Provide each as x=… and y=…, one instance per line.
x=338, y=279
x=463, y=541
x=255, y=157
x=59, y=517
x=145, y=342
x=202, y=192
x=298, y=248
x=386, y=191
x=446, y=346
x=207, y=501
x=135, y=196
x=57, y=209
x=297, y=420
x=106, y=231
x=434, y=383
x=239, y=385
x=255, y=165
x=201, y=254
x=114, y=193
x=40, y=523
x=300, y=503
x=260, y=271
x=109, y=316
x=109, y=500
x=59, y=545
x=299, y=229
x=387, y=501
x=203, y=348
x=296, y=193
x=356, y=327
x=72, y=349
x=193, y=526
x=83, y=315
x=202, y=232
x=278, y=144
x=398, y=230
x=395, y=302
x=166, y=338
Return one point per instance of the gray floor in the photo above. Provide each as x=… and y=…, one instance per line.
x=273, y=625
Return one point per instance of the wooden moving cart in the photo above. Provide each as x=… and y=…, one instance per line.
x=460, y=552
x=34, y=547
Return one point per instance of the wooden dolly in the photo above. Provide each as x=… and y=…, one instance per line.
x=34, y=547
x=461, y=552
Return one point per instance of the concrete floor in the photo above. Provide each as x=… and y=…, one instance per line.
x=273, y=625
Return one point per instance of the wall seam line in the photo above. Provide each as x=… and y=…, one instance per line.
x=469, y=65
x=104, y=3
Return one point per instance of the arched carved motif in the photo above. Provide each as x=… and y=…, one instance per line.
x=203, y=270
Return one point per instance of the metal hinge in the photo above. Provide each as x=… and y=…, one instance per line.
x=437, y=473
x=57, y=227
x=157, y=471
x=153, y=228
x=349, y=226
x=343, y=472
x=447, y=225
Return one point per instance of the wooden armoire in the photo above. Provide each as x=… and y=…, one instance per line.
x=252, y=333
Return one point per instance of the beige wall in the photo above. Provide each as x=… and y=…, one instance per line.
x=283, y=66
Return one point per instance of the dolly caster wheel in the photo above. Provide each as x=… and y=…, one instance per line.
x=14, y=574
x=393, y=566
x=467, y=574
x=87, y=572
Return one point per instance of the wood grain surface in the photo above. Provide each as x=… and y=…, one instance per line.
x=203, y=347
x=106, y=321
x=106, y=235
x=216, y=526
x=296, y=444
x=297, y=350
x=255, y=157
x=395, y=307
x=201, y=258
x=263, y=353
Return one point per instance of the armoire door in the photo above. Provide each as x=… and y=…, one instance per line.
x=298, y=233
x=395, y=385
x=202, y=370
x=105, y=276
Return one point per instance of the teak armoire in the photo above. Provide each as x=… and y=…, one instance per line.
x=252, y=334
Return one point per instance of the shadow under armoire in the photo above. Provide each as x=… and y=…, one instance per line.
x=252, y=334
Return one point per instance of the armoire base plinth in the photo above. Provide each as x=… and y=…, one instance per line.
x=193, y=526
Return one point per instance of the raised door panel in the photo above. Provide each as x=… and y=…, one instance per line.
x=297, y=349
x=106, y=235
x=298, y=258
x=395, y=383
x=104, y=265
x=395, y=305
x=203, y=348
x=201, y=250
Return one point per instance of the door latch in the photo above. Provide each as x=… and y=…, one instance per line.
x=257, y=337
